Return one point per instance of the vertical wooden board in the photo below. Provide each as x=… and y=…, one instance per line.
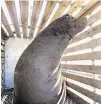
x=48, y=11
x=5, y=23
x=36, y=7
x=98, y=43
x=82, y=68
x=86, y=56
x=99, y=77
x=2, y=48
x=60, y=10
x=24, y=17
x=2, y=60
x=86, y=8
x=2, y=42
x=2, y=78
x=91, y=44
x=2, y=90
x=94, y=18
x=75, y=6
x=2, y=54
x=3, y=34
x=89, y=11
x=89, y=81
x=89, y=33
x=2, y=67
x=13, y=15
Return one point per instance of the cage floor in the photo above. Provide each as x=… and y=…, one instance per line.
x=7, y=98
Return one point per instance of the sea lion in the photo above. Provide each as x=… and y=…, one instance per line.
x=37, y=78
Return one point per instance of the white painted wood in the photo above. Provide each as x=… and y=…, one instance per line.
x=48, y=11
x=83, y=68
x=89, y=33
x=94, y=18
x=86, y=8
x=13, y=15
x=85, y=92
x=5, y=23
x=2, y=48
x=14, y=48
x=89, y=81
x=89, y=11
x=24, y=17
x=2, y=60
x=4, y=36
x=87, y=56
x=2, y=54
x=91, y=44
x=36, y=7
x=76, y=97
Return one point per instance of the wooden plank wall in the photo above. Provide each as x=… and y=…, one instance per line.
x=81, y=61
x=29, y=17
x=4, y=38
x=2, y=65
